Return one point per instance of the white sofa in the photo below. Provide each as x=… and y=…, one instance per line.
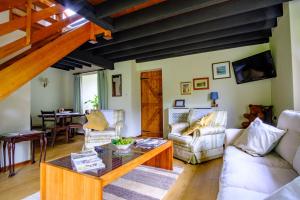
x=204, y=144
x=115, y=119
x=253, y=178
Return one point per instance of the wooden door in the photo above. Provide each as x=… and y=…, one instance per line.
x=151, y=102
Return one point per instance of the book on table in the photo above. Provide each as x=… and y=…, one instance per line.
x=150, y=142
x=86, y=161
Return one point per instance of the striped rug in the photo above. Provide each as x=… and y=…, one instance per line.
x=143, y=183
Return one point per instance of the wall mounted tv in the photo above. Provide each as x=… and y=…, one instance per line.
x=254, y=68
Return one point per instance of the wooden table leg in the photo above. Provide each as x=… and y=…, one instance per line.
x=10, y=160
x=45, y=146
x=32, y=151
x=4, y=155
x=13, y=158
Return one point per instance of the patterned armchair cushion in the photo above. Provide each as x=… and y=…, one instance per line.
x=196, y=114
x=210, y=130
x=178, y=127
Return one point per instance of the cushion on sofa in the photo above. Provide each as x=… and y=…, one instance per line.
x=254, y=176
x=271, y=160
x=290, y=142
x=236, y=193
x=179, y=127
x=96, y=121
x=289, y=191
x=296, y=161
x=259, y=138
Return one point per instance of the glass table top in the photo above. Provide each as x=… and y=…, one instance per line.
x=111, y=157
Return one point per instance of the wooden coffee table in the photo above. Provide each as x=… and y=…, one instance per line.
x=60, y=181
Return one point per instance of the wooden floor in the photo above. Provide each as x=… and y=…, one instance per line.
x=196, y=182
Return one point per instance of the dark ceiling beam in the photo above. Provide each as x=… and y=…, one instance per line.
x=58, y=66
x=194, y=39
x=203, y=50
x=206, y=44
x=89, y=57
x=67, y=64
x=72, y=61
x=87, y=10
x=255, y=20
x=161, y=11
x=189, y=19
x=110, y=7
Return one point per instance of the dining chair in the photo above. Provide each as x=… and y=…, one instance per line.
x=51, y=117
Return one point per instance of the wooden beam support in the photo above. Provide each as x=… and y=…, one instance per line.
x=205, y=44
x=25, y=69
x=111, y=7
x=215, y=48
x=149, y=36
x=195, y=39
x=72, y=61
x=36, y=16
x=67, y=64
x=7, y=4
x=90, y=58
x=63, y=67
x=161, y=11
x=28, y=21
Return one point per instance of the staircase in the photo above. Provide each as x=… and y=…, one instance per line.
x=50, y=32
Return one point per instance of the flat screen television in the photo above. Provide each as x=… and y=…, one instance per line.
x=254, y=68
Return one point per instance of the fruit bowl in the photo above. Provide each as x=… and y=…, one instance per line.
x=122, y=143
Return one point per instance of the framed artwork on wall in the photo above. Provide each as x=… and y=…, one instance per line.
x=186, y=88
x=179, y=103
x=201, y=83
x=221, y=70
x=117, y=85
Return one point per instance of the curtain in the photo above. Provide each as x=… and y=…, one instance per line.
x=77, y=93
x=102, y=89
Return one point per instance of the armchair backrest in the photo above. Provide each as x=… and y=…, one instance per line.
x=177, y=115
x=113, y=116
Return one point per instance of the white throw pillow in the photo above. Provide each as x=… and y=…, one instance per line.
x=290, y=191
x=259, y=138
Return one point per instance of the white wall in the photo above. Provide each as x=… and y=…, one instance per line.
x=294, y=11
x=128, y=101
x=15, y=116
x=58, y=93
x=282, y=85
x=233, y=98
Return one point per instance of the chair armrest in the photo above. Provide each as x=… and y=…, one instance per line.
x=211, y=130
x=231, y=135
x=119, y=127
x=178, y=127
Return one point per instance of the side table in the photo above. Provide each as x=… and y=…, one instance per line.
x=10, y=140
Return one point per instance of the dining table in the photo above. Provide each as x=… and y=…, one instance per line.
x=64, y=115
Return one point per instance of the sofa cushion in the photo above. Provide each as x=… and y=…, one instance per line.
x=290, y=142
x=113, y=116
x=196, y=114
x=178, y=138
x=96, y=121
x=259, y=138
x=271, y=160
x=255, y=176
x=236, y=193
x=296, y=161
x=288, y=191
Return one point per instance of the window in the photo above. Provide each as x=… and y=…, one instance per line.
x=88, y=90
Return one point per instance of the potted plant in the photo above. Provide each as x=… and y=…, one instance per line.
x=94, y=101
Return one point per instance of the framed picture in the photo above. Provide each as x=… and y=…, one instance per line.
x=221, y=70
x=201, y=83
x=186, y=88
x=179, y=103
x=117, y=85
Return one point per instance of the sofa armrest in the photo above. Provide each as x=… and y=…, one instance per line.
x=178, y=127
x=211, y=130
x=231, y=135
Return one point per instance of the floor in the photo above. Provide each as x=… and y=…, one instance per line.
x=196, y=182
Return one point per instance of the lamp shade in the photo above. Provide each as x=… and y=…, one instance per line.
x=214, y=95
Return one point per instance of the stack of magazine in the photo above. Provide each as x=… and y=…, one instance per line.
x=150, y=142
x=86, y=160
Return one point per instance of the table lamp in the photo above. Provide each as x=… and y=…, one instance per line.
x=214, y=96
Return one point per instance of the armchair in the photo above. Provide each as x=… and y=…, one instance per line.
x=205, y=143
x=115, y=119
